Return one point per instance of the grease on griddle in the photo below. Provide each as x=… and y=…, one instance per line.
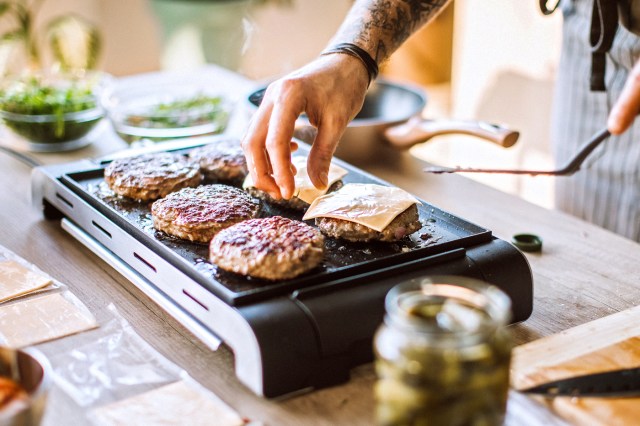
x=340, y=255
x=123, y=205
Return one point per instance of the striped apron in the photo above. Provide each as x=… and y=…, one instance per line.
x=607, y=190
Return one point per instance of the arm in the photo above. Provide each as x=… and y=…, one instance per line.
x=627, y=106
x=330, y=90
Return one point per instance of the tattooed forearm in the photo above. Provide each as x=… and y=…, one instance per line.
x=381, y=26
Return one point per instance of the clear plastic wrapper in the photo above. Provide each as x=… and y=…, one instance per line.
x=112, y=370
x=111, y=363
x=109, y=372
x=43, y=317
x=169, y=404
x=14, y=271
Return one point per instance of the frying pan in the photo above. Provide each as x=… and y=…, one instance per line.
x=390, y=122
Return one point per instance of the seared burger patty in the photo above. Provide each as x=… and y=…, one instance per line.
x=294, y=203
x=221, y=161
x=197, y=214
x=151, y=176
x=273, y=248
x=404, y=224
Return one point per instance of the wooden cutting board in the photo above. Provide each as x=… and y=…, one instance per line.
x=608, y=343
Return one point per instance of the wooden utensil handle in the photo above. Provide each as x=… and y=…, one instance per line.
x=417, y=130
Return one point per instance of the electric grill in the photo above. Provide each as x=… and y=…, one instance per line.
x=286, y=336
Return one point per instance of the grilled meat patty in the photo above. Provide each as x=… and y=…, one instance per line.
x=197, y=214
x=293, y=203
x=151, y=176
x=273, y=248
x=221, y=161
x=404, y=224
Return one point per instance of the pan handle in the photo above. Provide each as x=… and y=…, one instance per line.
x=418, y=129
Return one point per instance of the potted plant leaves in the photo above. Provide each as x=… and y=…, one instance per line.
x=54, y=107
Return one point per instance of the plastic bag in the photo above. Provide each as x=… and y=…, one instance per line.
x=43, y=317
x=111, y=363
x=112, y=372
x=7, y=256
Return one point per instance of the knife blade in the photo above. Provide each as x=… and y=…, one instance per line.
x=624, y=383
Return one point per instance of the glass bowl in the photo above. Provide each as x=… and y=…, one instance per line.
x=156, y=113
x=51, y=114
x=48, y=132
x=27, y=376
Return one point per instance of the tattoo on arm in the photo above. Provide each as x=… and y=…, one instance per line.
x=381, y=26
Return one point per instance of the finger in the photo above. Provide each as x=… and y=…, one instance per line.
x=627, y=106
x=253, y=145
x=268, y=183
x=278, y=143
x=321, y=154
x=293, y=146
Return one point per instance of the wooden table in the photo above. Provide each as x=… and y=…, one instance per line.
x=583, y=273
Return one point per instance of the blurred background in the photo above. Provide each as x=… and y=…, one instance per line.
x=480, y=59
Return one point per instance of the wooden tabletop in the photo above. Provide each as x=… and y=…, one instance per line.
x=582, y=274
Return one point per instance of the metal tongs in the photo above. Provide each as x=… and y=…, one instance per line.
x=570, y=168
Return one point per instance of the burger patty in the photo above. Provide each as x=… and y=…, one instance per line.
x=197, y=214
x=404, y=224
x=293, y=203
x=221, y=161
x=273, y=248
x=151, y=176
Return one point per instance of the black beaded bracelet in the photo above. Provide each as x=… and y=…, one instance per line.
x=357, y=52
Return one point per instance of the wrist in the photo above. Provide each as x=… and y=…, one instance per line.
x=355, y=51
x=345, y=68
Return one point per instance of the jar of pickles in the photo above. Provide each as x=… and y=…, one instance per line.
x=443, y=354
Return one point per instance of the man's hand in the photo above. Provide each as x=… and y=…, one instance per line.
x=627, y=106
x=330, y=91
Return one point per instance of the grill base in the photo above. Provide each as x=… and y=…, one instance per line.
x=293, y=336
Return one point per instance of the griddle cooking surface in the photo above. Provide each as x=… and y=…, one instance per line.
x=440, y=232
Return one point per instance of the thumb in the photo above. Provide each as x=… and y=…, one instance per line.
x=627, y=106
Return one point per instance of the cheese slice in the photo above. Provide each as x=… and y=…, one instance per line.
x=43, y=318
x=16, y=280
x=174, y=404
x=371, y=205
x=304, y=189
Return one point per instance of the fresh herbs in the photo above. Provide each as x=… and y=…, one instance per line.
x=196, y=115
x=49, y=113
x=33, y=97
x=198, y=110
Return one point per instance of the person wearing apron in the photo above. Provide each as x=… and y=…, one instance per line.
x=606, y=191
x=596, y=87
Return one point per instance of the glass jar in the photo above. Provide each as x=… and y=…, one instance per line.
x=443, y=354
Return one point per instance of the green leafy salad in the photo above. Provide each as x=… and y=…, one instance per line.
x=48, y=113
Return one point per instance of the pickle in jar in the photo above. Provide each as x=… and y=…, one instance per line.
x=441, y=360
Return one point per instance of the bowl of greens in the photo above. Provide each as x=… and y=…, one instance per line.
x=156, y=113
x=51, y=115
